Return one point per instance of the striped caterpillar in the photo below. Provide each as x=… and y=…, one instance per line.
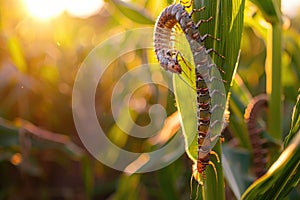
x=210, y=98
x=252, y=112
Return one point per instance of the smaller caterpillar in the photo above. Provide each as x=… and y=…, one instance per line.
x=251, y=114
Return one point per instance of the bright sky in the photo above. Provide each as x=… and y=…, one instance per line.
x=47, y=9
x=290, y=7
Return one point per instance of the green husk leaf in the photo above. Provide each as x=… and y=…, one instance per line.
x=281, y=177
x=133, y=12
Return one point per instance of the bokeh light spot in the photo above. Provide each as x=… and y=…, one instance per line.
x=16, y=159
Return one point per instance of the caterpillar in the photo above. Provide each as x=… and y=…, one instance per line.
x=251, y=114
x=210, y=98
x=169, y=17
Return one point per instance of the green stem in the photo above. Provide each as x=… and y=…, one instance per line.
x=273, y=78
x=214, y=184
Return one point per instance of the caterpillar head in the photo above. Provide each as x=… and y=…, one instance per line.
x=169, y=62
x=173, y=66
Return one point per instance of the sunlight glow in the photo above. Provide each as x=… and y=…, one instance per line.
x=83, y=8
x=48, y=9
x=290, y=7
x=45, y=9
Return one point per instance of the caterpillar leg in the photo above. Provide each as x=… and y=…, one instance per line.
x=214, y=167
x=182, y=59
x=222, y=139
x=199, y=177
x=217, y=53
x=202, y=38
x=205, y=35
x=203, y=20
x=191, y=186
x=219, y=68
x=196, y=10
x=216, y=155
x=215, y=137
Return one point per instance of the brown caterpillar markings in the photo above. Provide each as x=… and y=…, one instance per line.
x=254, y=108
x=209, y=99
x=208, y=85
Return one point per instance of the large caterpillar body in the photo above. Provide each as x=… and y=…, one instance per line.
x=210, y=99
x=211, y=102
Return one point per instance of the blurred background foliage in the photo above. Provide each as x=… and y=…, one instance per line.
x=41, y=156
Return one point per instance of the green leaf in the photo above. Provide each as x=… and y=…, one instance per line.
x=270, y=10
x=236, y=165
x=41, y=138
x=87, y=175
x=128, y=188
x=49, y=73
x=136, y=14
x=281, y=177
x=227, y=25
x=9, y=135
x=16, y=53
x=240, y=98
x=167, y=182
x=295, y=124
x=186, y=100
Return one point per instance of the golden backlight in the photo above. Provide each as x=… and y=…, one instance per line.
x=83, y=8
x=45, y=9
x=48, y=9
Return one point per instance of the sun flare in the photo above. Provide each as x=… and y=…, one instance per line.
x=48, y=9
x=45, y=9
